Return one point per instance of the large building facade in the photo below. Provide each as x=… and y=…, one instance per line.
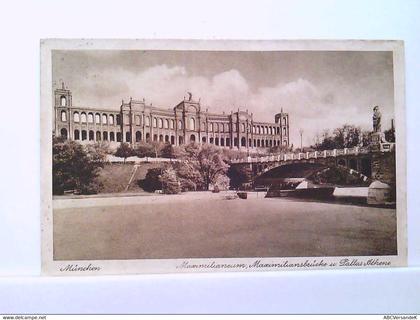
x=137, y=122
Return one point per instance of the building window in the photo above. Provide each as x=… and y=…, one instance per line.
x=63, y=101
x=83, y=117
x=137, y=120
x=284, y=131
x=166, y=138
x=227, y=142
x=154, y=122
x=90, y=117
x=243, y=127
x=179, y=124
x=63, y=116
x=278, y=130
x=147, y=120
x=211, y=127
x=216, y=141
x=63, y=133
x=192, y=124
x=126, y=119
x=166, y=124
x=127, y=137
x=76, y=117
x=76, y=135
x=105, y=136
x=172, y=124
x=119, y=137
x=155, y=137
x=138, y=136
x=118, y=120
x=91, y=135
x=98, y=136
x=160, y=123
x=284, y=121
x=84, y=135
x=148, y=137
x=111, y=119
x=222, y=142
x=172, y=139
x=97, y=118
x=104, y=119
x=243, y=142
x=111, y=136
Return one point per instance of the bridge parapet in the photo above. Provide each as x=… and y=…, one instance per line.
x=290, y=156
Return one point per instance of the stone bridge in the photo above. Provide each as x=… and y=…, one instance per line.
x=374, y=163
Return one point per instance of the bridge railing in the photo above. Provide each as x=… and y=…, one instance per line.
x=288, y=156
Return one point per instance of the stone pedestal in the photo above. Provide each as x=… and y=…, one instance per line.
x=378, y=193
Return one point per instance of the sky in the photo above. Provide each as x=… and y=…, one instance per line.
x=321, y=90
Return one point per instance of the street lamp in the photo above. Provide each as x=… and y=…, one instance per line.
x=301, y=133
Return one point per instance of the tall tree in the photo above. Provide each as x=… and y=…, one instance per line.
x=76, y=167
x=124, y=151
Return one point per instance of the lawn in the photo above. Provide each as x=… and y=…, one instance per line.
x=212, y=227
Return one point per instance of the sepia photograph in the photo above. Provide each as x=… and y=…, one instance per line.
x=182, y=156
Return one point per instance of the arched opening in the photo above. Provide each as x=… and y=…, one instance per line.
x=119, y=137
x=138, y=121
x=211, y=127
x=285, y=142
x=104, y=119
x=118, y=119
x=160, y=123
x=105, y=136
x=192, y=138
x=227, y=142
x=211, y=140
x=76, y=117
x=179, y=124
x=166, y=124
x=97, y=118
x=161, y=137
x=91, y=135
x=258, y=143
x=63, y=116
x=284, y=131
x=90, y=117
x=111, y=136
x=76, y=134
x=63, y=133
x=147, y=121
x=98, y=136
x=63, y=101
x=154, y=122
x=353, y=164
x=222, y=142
x=180, y=140
x=203, y=139
x=155, y=137
x=128, y=136
x=111, y=119
x=172, y=139
x=266, y=142
x=235, y=142
x=216, y=127
x=366, y=167
x=243, y=142
x=138, y=136
x=166, y=138
x=216, y=141
x=83, y=117
x=243, y=127
x=255, y=142
x=249, y=143
x=172, y=124
x=84, y=135
x=278, y=130
x=147, y=137
x=192, y=124
x=262, y=143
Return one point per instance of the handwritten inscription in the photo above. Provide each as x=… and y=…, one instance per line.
x=76, y=267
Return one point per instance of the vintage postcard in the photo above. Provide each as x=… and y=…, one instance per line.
x=162, y=156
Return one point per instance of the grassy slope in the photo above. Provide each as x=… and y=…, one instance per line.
x=115, y=177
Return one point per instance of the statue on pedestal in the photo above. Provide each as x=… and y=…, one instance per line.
x=376, y=119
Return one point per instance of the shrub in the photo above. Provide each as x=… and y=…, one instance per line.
x=152, y=182
x=170, y=182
